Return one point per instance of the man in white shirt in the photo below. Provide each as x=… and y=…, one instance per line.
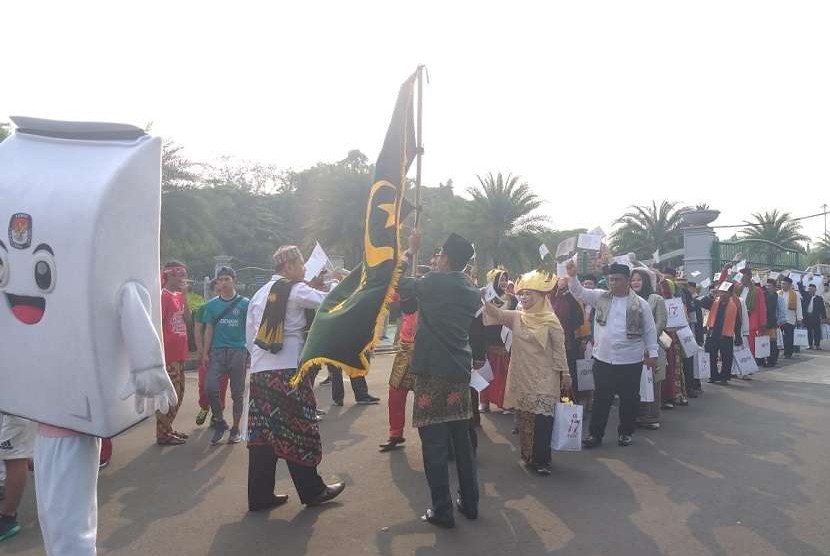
x=625, y=337
x=282, y=420
x=793, y=315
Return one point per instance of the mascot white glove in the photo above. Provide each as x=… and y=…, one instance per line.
x=149, y=382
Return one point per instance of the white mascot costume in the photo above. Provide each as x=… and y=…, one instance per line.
x=79, y=304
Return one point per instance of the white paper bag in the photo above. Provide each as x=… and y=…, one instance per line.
x=567, y=428
x=477, y=381
x=800, y=337
x=702, y=364
x=486, y=371
x=665, y=340
x=646, y=385
x=584, y=375
x=825, y=331
x=744, y=362
x=762, y=347
x=779, y=337
x=677, y=313
x=687, y=341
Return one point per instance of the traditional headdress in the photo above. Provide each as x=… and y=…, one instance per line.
x=286, y=254
x=537, y=281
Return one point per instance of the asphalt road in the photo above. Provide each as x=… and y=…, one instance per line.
x=742, y=470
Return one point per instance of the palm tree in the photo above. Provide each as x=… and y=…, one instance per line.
x=646, y=229
x=776, y=230
x=820, y=251
x=504, y=228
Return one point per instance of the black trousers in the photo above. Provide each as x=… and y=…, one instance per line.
x=723, y=347
x=542, y=432
x=692, y=383
x=435, y=445
x=262, y=470
x=813, y=332
x=359, y=386
x=772, y=360
x=788, y=331
x=620, y=380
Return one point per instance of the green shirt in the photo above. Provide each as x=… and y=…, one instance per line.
x=229, y=331
x=447, y=305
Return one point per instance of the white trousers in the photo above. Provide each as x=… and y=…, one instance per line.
x=66, y=481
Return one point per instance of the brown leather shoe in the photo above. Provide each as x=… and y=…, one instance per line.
x=331, y=492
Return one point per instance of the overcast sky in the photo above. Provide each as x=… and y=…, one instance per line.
x=597, y=105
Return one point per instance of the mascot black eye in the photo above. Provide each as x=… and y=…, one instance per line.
x=45, y=271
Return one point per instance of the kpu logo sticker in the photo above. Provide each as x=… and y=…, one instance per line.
x=20, y=230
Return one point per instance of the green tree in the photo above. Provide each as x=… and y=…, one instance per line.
x=177, y=171
x=775, y=230
x=502, y=223
x=4, y=130
x=331, y=202
x=645, y=229
x=819, y=252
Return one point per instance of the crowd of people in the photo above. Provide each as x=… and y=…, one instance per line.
x=535, y=333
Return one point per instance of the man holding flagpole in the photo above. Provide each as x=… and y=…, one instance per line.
x=447, y=303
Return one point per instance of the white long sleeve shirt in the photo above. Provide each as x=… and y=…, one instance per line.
x=302, y=297
x=611, y=342
x=792, y=316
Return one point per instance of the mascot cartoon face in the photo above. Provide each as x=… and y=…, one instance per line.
x=27, y=275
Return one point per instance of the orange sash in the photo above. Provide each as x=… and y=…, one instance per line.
x=729, y=318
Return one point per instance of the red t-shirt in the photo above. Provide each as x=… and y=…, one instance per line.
x=173, y=325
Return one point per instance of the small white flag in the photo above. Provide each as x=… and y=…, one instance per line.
x=543, y=251
x=705, y=283
x=316, y=262
x=597, y=232
x=656, y=256
x=695, y=274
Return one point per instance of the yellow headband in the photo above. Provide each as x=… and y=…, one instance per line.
x=538, y=281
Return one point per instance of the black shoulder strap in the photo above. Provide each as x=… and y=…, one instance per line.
x=234, y=302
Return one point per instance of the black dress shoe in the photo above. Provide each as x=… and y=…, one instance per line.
x=625, y=440
x=591, y=441
x=430, y=517
x=331, y=492
x=392, y=443
x=277, y=501
x=459, y=505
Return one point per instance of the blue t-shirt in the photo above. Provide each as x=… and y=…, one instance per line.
x=229, y=332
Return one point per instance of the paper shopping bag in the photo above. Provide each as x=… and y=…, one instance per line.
x=800, y=337
x=779, y=337
x=825, y=331
x=676, y=313
x=762, y=347
x=687, y=341
x=744, y=361
x=646, y=385
x=584, y=375
x=567, y=427
x=702, y=364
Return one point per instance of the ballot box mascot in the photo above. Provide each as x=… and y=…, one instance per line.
x=79, y=304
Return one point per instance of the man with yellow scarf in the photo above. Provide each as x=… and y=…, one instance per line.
x=793, y=316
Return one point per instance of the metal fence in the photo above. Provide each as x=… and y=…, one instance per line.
x=758, y=253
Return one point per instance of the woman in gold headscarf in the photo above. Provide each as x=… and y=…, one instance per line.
x=538, y=366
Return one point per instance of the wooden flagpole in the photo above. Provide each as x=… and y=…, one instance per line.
x=419, y=153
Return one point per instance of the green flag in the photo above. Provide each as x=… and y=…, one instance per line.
x=350, y=320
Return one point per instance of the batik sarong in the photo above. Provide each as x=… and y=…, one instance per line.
x=401, y=378
x=284, y=418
